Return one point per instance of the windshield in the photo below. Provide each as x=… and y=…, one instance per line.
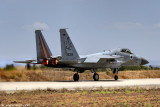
x=126, y=51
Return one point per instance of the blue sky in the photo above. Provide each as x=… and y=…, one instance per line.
x=94, y=26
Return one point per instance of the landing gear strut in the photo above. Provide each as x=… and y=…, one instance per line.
x=115, y=71
x=76, y=77
x=96, y=77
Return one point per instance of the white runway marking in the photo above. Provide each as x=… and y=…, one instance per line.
x=13, y=86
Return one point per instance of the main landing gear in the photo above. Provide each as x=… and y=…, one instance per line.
x=116, y=77
x=95, y=77
x=76, y=77
x=115, y=71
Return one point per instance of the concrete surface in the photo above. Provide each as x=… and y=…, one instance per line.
x=71, y=85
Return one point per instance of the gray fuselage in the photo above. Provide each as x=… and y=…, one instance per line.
x=124, y=58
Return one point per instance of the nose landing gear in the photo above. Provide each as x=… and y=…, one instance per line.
x=115, y=71
x=116, y=77
x=76, y=77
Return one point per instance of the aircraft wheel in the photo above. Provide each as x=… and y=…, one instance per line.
x=116, y=77
x=76, y=77
x=96, y=77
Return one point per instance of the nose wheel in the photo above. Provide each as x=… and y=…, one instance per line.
x=96, y=77
x=76, y=77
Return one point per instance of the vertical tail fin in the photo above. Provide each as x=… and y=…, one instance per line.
x=43, y=51
x=68, y=50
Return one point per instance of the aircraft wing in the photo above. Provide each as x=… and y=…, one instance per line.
x=100, y=58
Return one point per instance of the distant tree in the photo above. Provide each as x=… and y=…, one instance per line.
x=9, y=67
x=124, y=68
x=150, y=67
x=153, y=68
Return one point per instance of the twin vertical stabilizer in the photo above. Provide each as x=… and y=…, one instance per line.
x=68, y=50
x=43, y=51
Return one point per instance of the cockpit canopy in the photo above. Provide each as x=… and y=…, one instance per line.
x=126, y=51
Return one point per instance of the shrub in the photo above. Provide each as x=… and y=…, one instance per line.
x=12, y=76
x=124, y=68
x=144, y=67
x=101, y=70
x=9, y=67
x=42, y=67
x=156, y=68
x=107, y=72
x=34, y=67
x=153, y=68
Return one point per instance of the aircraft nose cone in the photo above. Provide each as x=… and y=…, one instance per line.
x=144, y=61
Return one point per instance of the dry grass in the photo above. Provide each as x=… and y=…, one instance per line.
x=91, y=98
x=139, y=74
x=21, y=74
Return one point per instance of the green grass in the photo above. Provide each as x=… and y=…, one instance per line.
x=128, y=91
x=12, y=76
x=97, y=91
x=123, y=97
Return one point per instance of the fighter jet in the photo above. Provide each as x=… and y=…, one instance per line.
x=70, y=58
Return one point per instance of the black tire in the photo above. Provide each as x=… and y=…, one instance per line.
x=116, y=77
x=96, y=77
x=76, y=77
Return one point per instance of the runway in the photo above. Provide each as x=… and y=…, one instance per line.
x=71, y=85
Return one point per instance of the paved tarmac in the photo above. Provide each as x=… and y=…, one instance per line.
x=71, y=85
